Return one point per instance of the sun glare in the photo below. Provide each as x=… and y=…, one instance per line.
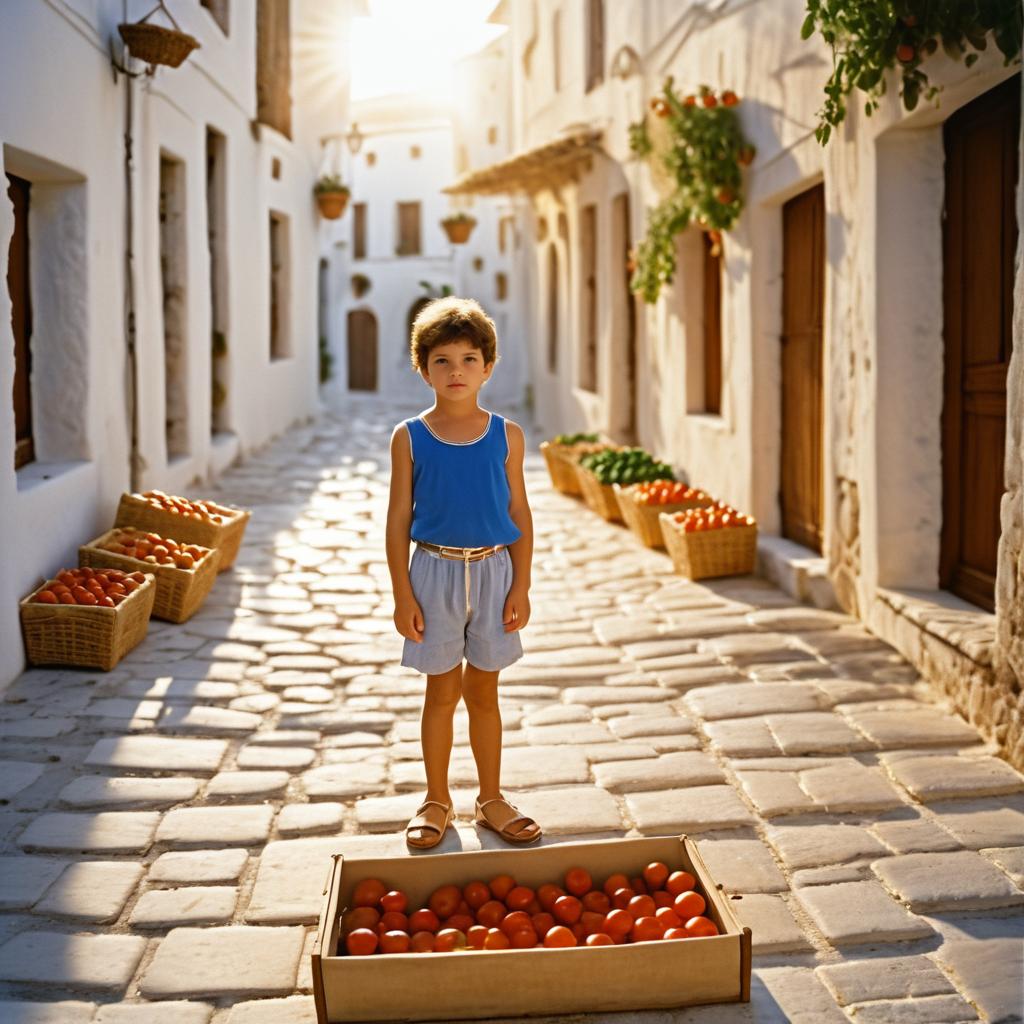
x=411, y=45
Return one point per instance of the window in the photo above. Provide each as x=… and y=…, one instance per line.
x=552, y=307
x=504, y=226
x=174, y=295
x=415, y=152
x=359, y=231
x=371, y=159
x=588, y=273
x=492, y=134
x=273, y=65
x=408, y=243
x=501, y=286
x=556, y=50
x=216, y=232
x=712, y=326
x=19, y=192
x=280, y=346
x=595, y=43
x=219, y=12
x=275, y=168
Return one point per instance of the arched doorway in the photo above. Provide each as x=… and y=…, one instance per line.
x=362, y=350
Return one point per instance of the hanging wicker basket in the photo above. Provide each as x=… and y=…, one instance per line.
x=155, y=44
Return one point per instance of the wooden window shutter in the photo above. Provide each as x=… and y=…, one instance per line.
x=712, y=329
x=408, y=229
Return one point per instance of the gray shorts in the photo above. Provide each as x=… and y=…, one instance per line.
x=450, y=632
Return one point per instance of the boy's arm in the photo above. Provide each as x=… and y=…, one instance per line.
x=517, y=605
x=408, y=616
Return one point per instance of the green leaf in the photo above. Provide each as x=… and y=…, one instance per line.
x=807, y=28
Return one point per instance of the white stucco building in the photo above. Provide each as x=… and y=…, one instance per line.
x=838, y=371
x=159, y=318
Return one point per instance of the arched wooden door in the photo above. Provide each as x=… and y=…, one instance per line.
x=979, y=239
x=362, y=350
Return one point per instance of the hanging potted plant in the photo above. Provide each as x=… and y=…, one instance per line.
x=360, y=284
x=458, y=227
x=155, y=44
x=331, y=196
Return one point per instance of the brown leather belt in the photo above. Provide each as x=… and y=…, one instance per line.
x=464, y=555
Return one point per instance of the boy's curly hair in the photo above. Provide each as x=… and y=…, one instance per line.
x=452, y=319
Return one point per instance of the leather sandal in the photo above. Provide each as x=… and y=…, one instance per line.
x=529, y=833
x=420, y=821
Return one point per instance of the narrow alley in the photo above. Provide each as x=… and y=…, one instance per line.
x=848, y=815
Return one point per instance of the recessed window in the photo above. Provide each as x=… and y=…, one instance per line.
x=415, y=152
x=501, y=286
x=712, y=326
x=478, y=263
x=556, y=50
x=588, y=274
x=371, y=159
x=408, y=229
x=552, y=308
x=280, y=287
x=174, y=300
x=594, y=43
x=359, y=231
x=492, y=134
x=216, y=232
x=275, y=168
x=19, y=191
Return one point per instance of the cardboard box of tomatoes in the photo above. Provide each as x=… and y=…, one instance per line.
x=602, y=926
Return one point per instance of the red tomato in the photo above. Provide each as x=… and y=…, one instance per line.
x=496, y=939
x=655, y=875
x=519, y=898
x=614, y=882
x=578, y=881
x=662, y=898
x=647, y=929
x=476, y=894
x=368, y=892
x=394, y=901
x=395, y=942
x=462, y=922
x=547, y=894
x=579, y=932
x=362, y=917
x=675, y=933
x=559, y=937
x=515, y=921
x=641, y=906
x=422, y=942
x=669, y=918
x=618, y=923
x=689, y=904
x=542, y=923
x=621, y=898
x=424, y=921
x=697, y=927
x=47, y=597
x=361, y=942
x=599, y=939
x=567, y=909
x=592, y=922
x=448, y=939
x=501, y=886
x=476, y=935
x=444, y=900
x=524, y=938
x=491, y=913
x=680, y=881
x=533, y=907
x=596, y=902
x=393, y=921
x=638, y=885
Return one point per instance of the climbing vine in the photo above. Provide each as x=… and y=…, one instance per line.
x=870, y=37
x=702, y=152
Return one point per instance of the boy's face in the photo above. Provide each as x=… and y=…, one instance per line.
x=456, y=370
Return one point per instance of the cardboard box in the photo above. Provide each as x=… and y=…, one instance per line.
x=509, y=983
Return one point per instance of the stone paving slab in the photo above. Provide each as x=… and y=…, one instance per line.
x=292, y=1010
x=944, y=777
x=90, y=962
x=157, y=753
x=168, y=908
x=696, y=809
x=773, y=927
x=91, y=891
x=670, y=770
x=16, y=776
x=198, y=866
x=884, y=977
x=962, y=880
x=103, y=832
x=117, y=791
x=67, y=1011
x=858, y=913
x=177, y=1012
x=986, y=959
x=206, y=826
x=814, y=845
x=742, y=865
x=23, y=880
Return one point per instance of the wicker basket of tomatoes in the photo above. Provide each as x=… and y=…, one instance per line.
x=205, y=523
x=716, y=540
x=561, y=454
x=184, y=572
x=89, y=618
x=600, y=471
x=642, y=504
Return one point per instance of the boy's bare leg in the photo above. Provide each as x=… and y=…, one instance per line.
x=480, y=691
x=442, y=697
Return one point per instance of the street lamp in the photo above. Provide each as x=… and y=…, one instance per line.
x=354, y=139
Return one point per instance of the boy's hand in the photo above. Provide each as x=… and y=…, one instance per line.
x=409, y=620
x=516, y=613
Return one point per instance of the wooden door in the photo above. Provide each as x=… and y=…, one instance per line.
x=979, y=239
x=362, y=350
x=803, y=279
x=712, y=327
x=19, y=192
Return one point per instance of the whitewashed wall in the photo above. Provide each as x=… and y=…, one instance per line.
x=61, y=126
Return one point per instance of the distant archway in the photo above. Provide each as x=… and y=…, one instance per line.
x=362, y=350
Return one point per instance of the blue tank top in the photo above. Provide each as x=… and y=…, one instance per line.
x=460, y=492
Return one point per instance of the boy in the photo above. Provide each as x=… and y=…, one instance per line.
x=457, y=491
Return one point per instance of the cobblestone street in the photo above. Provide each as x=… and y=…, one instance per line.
x=167, y=826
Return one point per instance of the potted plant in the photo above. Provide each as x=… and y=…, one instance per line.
x=458, y=227
x=331, y=196
x=360, y=285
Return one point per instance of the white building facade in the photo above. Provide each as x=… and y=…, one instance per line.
x=159, y=315
x=845, y=413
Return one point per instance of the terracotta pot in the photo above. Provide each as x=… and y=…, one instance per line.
x=332, y=204
x=459, y=231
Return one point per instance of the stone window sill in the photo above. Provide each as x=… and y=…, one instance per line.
x=39, y=474
x=963, y=626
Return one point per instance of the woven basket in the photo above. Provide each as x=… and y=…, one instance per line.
x=82, y=635
x=730, y=551
x=180, y=593
x=226, y=537
x=155, y=44
x=599, y=497
x=561, y=468
x=643, y=520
